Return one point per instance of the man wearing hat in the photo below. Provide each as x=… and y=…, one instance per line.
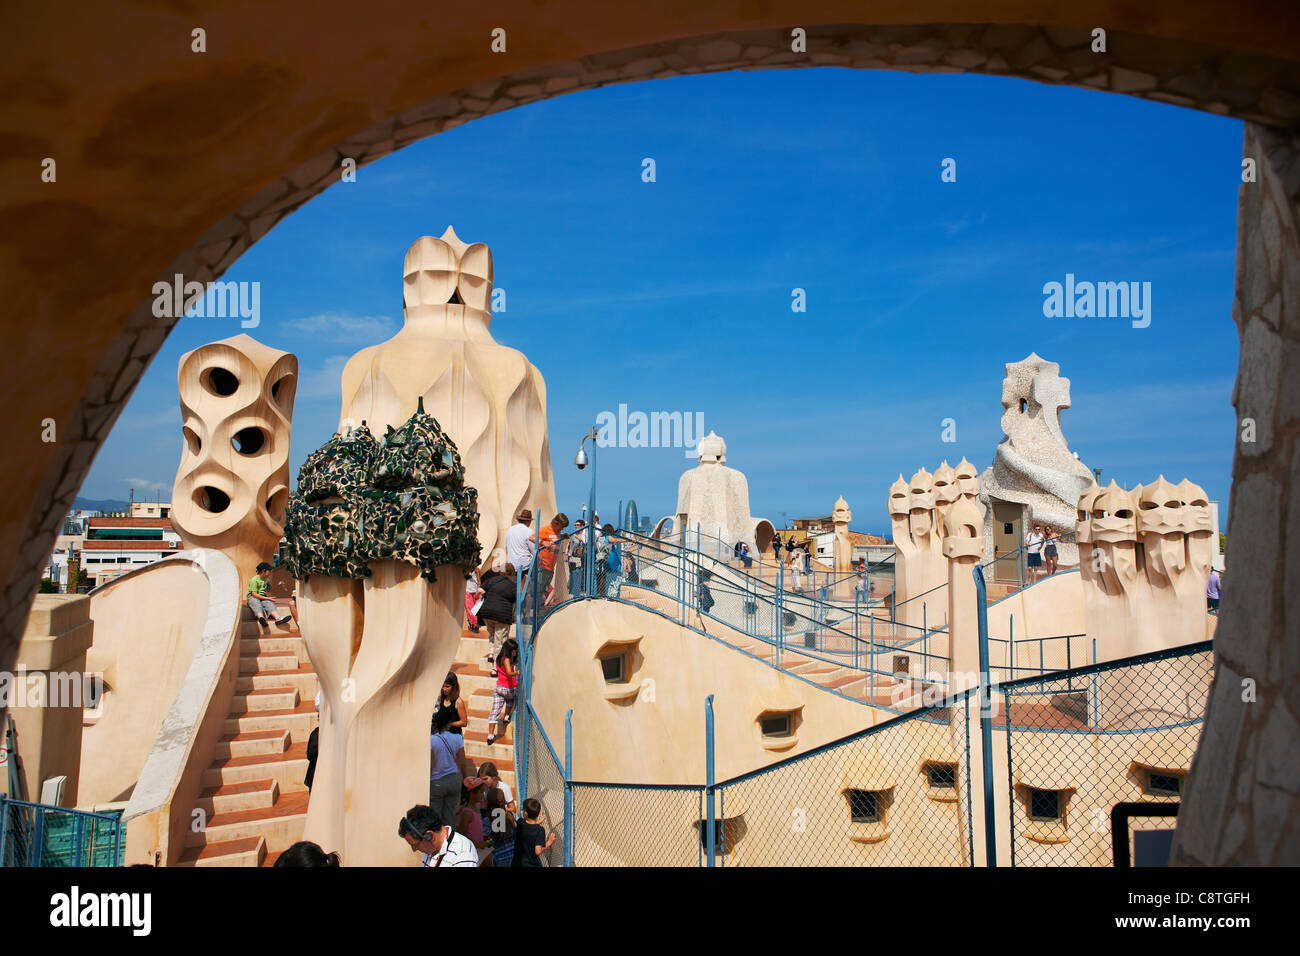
x=519, y=542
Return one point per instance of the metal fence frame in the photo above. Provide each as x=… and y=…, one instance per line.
x=26, y=832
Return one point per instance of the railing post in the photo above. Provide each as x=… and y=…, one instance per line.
x=856, y=625
x=709, y=780
x=986, y=722
x=568, y=787
x=872, y=625
x=526, y=668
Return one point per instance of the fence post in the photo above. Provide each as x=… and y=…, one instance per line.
x=37, y=847
x=986, y=723
x=709, y=778
x=568, y=787
x=780, y=612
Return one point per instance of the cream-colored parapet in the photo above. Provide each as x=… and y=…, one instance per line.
x=488, y=398
x=233, y=481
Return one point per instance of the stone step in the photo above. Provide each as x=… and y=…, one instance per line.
x=304, y=679
x=251, y=628
x=250, y=795
x=472, y=648
x=250, y=851
x=272, y=698
x=299, y=722
x=281, y=825
x=282, y=661
x=287, y=769
x=254, y=647
x=252, y=744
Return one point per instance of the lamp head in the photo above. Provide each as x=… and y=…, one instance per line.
x=580, y=459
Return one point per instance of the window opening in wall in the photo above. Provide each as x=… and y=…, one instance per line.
x=1163, y=784
x=777, y=725
x=1045, y=805
x=941, y=776
x=614, y=667
x=866, y=806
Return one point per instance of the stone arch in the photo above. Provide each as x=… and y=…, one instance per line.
x=163, y=152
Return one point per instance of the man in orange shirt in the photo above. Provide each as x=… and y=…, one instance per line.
x=549, y=544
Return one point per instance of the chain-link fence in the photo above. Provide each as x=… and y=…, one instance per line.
x=898, y=794
x=637, y=825
x=1081, y=742
x=544, y=780
x=32, y=834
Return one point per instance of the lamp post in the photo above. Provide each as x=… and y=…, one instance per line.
x=580, y=462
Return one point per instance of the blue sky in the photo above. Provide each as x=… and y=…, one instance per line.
x=676, y=295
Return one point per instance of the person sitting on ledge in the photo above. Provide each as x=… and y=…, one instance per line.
x=259, y=603
x=424, y=832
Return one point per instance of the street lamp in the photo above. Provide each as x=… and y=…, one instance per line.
x=580, y=462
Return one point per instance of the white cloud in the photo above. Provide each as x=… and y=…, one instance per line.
x=146, y=483
x=366, y=329
x=325, y=380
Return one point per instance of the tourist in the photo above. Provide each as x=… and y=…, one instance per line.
x=612, y=564
x=503, y=695
x=259, y=602
x=576, y=547
x=473, y=593
x=531, y=840
x=549, y=544
x=1049, y=550
x=498, y=610
x=776, y=547
x=1034, y=551
x=501, y=826
x=488, y=771
x=745, y=557
x=446, y=764
x=704, y=597
x=1212, y=591
x=860, y=585
x=469, y=820
x=423, y=830
x=792, y=563
x=450, y=699
x=306, y=853
x=313, y=747
x=519, y=542
x=807, y=559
